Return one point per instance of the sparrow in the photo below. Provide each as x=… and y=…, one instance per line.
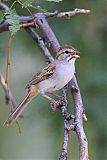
x=50, y=79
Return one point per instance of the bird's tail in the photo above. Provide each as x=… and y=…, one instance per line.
x=16, y=113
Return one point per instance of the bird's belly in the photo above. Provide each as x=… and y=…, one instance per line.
x=59, y=79
x=63, y=80
x=48, y=85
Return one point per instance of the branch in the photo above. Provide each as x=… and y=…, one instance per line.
x=10, y=99
x=41, y=43
x=28, y=21
x=78, y=112
x=8, y=95
x=68, y=14
x=63, y=109
x=25, y=21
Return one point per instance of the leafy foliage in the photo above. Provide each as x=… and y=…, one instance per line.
x=39, y=8
x=11, y=15
x=26, y=3
x=12, y=19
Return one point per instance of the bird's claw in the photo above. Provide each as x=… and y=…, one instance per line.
x=63, y=101
x=54, y=105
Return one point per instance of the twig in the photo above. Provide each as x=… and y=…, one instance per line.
x=8, y=57
x=8, y=94
x=41, y=43
x=78, y=112
x=28, y=24
x=68, y=13
x=64, y=152
x=24, y=20
x=10, y=99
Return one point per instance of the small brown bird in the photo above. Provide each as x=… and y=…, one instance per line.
x=52, y=78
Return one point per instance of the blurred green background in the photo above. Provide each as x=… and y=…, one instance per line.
x=42, y=129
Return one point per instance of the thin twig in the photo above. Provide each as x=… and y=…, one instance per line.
x=41, y=43
x=28, y=24
x=8, y=94
x=8, y=57
x=63, y=108
x=78, y=112
x=68, y=13
x=10, y=99
x=64, y=152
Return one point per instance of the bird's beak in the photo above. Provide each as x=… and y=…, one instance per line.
x=76, y=56
x=77, y=52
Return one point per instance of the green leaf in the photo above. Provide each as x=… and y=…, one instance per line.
x=12, y=19
x=54, y=0
x=39, y=8
x=26, y=3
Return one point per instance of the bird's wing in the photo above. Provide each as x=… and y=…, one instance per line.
x=46, y=73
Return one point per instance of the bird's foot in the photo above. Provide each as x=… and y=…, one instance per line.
x=63, y=101
x=54, y=105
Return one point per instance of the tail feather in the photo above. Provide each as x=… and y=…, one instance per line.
x=16, y=113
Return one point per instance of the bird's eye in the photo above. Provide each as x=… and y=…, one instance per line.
x=66, y=52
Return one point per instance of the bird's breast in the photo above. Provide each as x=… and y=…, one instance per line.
x=63, y=74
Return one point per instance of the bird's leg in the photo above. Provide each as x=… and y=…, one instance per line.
x=56, y=95
x=54, y=104
x=46, y=96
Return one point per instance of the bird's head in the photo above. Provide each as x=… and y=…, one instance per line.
x=67, y=53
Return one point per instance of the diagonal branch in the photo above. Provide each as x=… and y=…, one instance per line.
x=8, y=94
x=41, y=43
